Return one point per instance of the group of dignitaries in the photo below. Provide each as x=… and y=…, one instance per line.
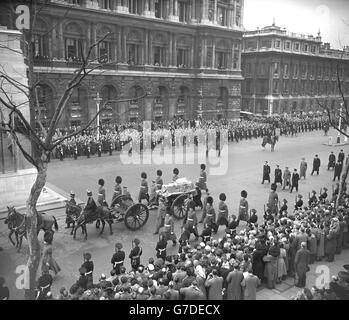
x=290, y=180
x=252, y=252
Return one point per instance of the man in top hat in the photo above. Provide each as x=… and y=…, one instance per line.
x=266, y=172
x=118, y=258
x=313, y=199
x=341, y=156
x=331, y=161
x=278, y=175
x=286, y=178
x=316, y=165
x=295, y=179
x=337, y=170
x=303, y=168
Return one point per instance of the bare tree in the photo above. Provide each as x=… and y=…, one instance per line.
x=43, y=141
x=339, y=120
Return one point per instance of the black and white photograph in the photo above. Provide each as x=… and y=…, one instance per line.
x=175, y=150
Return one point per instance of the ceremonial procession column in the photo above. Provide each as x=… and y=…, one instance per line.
x=16, y=174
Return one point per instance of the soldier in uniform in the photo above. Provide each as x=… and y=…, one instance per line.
x=204, y=207
x=299, y=202
x=89, y=267
x=135, y=254
x=76, y=152
x=118, y=258
x=323, y=195
x=111, y=148
x=286, y=178
x=143, y=192
x=90, y=204
x=191, y=221
x=202, y=178
x=161, y=215
x=101, y=194
x=117, y=188
x=169, y=228
x=183, y=240
x=222, y=211
x=72, y=202
x=210, y=219
x=99, y=149
x=273, y=200
x=161, y=247
x=44, y=284
x=243, y=207
x=331, y=161
x=341, y=156
x=175, y=174
x=337, y=170
x=157, y=185
x=313, y=199
x=266, y=172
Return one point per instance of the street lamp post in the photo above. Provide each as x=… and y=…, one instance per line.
x=340, y=124
x=98, y=100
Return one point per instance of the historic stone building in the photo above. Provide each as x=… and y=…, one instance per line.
x=286, y=72
x=184, y=54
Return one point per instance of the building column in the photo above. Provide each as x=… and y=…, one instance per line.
x=192, y=53
x=61, y=48
x=149, y=8
x=193, y=12
x=150, y=55
x=92, y=40
x=213, y=65
x=146, y=47
x=204, y=19
x=124, y=44
x=173, y=16
x=174, y=51
x=215, y=12
x=170, y=12
x=118, y=51
x=170, y=51
x=203, y=53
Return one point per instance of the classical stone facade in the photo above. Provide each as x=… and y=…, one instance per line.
x=184, y=54
x=286, y=72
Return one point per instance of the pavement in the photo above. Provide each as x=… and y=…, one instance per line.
x=244, y=171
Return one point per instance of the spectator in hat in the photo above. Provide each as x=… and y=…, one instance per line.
x=192, y=292
x=266, y=172
x=294, y=180
x=214, y=284
x=286, y=178
x=88, y=265
x=233, y=281
x=250, y=284
x=278, y=175
x=301, y=264
x=316, y=165
x=303, y=169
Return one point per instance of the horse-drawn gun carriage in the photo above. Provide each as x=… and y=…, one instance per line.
x=177, y=194
x=122, y=208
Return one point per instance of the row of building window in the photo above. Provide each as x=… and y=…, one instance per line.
x=296, y=87
x=135, y=56
x=287, y=45
x=305, y=70
x=161, y=9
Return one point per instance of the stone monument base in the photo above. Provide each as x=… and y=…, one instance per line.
x=15, y=189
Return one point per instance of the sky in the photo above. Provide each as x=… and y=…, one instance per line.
x=302, y=16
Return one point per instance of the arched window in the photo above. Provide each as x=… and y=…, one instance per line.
x=73, y=42
x=159, y=49
x=161, y=103
x=40, y=40
x=136, y=106
x=183, y=101
x=78, y=106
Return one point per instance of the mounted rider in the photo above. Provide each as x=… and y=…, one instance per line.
x=71, y=202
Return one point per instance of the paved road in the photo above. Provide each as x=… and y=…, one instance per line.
x=245, y=161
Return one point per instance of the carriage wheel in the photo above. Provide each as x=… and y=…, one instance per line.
x=178, y=206
x=136, y=216
x=119, y=199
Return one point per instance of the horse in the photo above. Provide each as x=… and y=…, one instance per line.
x=17, y=223
x=101, y=213
x=270, y=140
x=72, y=212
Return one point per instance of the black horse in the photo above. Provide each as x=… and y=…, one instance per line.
x=101, y=214
x=270, y=140
x=17, y=223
